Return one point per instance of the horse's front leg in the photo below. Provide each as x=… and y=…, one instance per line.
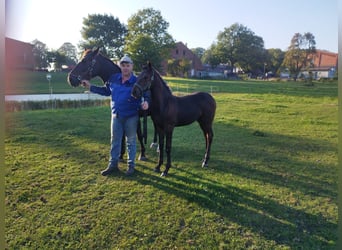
x=168, y=152
x=154, y=144
x=161, y=150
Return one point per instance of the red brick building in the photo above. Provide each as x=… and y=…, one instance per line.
x=324, y=58
x=18, y=55
x=324, y=64
x=180, y=52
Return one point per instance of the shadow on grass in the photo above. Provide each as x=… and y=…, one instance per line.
x=270, y=159
x=273, y=221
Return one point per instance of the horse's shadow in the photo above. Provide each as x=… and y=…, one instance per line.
x=282, y=223
x=264, y=216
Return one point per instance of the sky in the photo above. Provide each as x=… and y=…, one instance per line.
x=193, y=22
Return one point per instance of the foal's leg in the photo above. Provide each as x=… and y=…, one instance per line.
x=154, y=143
x=168, y=152
x=161, y=150
x=208, y=135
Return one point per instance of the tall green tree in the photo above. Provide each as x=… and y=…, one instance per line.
x=70, y=52
x=198, y=52
x=104, y=31
x=40, y=54
x=148, y=38
x=239, y=46
x=275, y=58
x=299, y=53
x=57, y=59
x=212, y=56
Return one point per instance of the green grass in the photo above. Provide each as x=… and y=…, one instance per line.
x=271, y=181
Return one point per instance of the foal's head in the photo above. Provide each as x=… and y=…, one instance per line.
x=86, y=69
x=144, y=81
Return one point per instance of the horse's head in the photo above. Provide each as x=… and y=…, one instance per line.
x=85, y=69
x=144, y=81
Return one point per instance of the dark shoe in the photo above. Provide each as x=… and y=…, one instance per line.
x=109, y=170
x=130, y=170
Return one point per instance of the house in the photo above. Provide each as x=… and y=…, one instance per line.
x=218, y=72
x=18, y=55
x=181, y=52
x=324, y=65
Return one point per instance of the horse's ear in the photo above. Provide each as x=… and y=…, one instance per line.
x=149, y=64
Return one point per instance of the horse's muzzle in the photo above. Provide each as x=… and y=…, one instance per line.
x=74, y=80
x=136, y=92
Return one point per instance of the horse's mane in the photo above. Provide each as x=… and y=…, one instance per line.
x=163, y=81
x=88, y=51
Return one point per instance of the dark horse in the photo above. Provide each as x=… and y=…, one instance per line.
x=169, y=111
x=93, y=64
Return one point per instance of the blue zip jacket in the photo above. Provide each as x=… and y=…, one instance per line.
x=122, y=103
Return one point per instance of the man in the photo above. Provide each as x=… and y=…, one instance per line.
x=125, y=115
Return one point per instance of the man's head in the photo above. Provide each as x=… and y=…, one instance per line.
x=126, y=65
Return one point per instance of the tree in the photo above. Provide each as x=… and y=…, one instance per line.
x=178, y=67
x=185, y=66
x=173, y=67
x=70, y=53
x=274, y=60
x=147, y=27
x=198, y=52
x=57, y=59
x=239, y=46
x=212, y=56
x=300, y=52
x=143, y=49
x=104, y=31
x=40, y=54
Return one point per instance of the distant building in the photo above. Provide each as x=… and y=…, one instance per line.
x=181, y=51
x=324, y=65
x=18, y=55
x=221, y=71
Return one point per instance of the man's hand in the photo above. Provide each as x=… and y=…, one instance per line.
x=144, y=105
x=85, y=84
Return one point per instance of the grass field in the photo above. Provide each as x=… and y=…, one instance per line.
x=271, y=181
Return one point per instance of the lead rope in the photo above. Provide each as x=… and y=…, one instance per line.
x=144, y=134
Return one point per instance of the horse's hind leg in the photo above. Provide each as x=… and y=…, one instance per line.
x=123, y=148
x=142, y=156
x=208, y=135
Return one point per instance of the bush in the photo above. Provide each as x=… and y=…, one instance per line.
x=13, y=106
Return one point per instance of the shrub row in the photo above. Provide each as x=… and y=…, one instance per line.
x=14, y=106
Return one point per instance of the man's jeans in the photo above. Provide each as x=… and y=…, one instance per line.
x=119, y=126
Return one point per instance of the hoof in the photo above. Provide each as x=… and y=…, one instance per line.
x=155, y=145
x=163, y=174
x=142, y=158
x=204, y=165
x=157, y=170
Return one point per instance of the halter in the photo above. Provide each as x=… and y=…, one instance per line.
x=89, y=71
x=148, y=85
